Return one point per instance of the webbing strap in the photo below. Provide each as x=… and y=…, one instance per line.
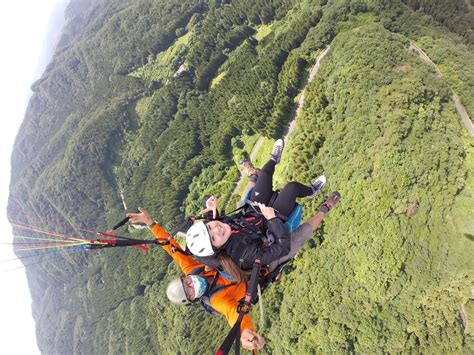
x=107, y=243
x=121, y=223
x=213, y=284
x=244, y=307
x=121, y=241
x=232, y=212
x=231, y=337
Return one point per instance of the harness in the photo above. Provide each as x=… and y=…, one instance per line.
x=249, y=226
x=205, y=300
x=291, y=222
x=256, y=278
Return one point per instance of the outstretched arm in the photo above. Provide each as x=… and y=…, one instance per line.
x=185, y=262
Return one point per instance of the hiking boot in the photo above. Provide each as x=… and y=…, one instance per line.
x=277, y=150
x=331, y=201
x=248, y=168
x=317, y=185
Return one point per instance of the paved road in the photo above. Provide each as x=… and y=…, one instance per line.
x=255, y=149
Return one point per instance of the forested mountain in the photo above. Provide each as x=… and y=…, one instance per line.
x=157, y=100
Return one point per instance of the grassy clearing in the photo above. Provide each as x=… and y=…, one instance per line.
x=263, y=153
x=356, y=21
x=141, y=107
x=162, y=66
x=244, y=147
x=263, y=31
x=217, y=79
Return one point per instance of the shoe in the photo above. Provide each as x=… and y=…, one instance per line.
x=317, y=185
x=248, y=168
x=331, y=201
x=277, y=150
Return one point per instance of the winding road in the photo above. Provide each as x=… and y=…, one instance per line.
x=314, y=70
x=457, y=103
x=294, y=115
x=299, y=104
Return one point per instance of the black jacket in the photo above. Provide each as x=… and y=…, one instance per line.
x=249, y=238
x=244, y=247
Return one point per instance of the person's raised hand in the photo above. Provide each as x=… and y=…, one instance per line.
x=211, y=205
x=142, y=217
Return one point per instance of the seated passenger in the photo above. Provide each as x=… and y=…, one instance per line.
x=232, y=243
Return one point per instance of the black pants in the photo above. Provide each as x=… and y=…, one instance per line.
x=286, y=199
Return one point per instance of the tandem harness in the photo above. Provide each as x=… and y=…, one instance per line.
x=205, y=300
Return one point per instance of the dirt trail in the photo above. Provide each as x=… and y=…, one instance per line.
x=299, y=104
x=462, y=111
x=424, y=56
x=296, y=111
x=457, y=103
x=255, y=149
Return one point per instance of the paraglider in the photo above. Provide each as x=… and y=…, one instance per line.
x=262, y=235
x=253, y=232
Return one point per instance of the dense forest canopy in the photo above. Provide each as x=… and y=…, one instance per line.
x=157, y=100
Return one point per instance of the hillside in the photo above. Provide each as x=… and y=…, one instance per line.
x=158, y=99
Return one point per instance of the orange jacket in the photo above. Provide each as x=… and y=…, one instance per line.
x=224, y=301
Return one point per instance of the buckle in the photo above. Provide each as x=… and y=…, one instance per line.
x=244, y=307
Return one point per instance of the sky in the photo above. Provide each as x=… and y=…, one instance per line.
x=27, y=32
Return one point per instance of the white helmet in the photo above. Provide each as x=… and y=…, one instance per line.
x=176, y=294
x=198, y=240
